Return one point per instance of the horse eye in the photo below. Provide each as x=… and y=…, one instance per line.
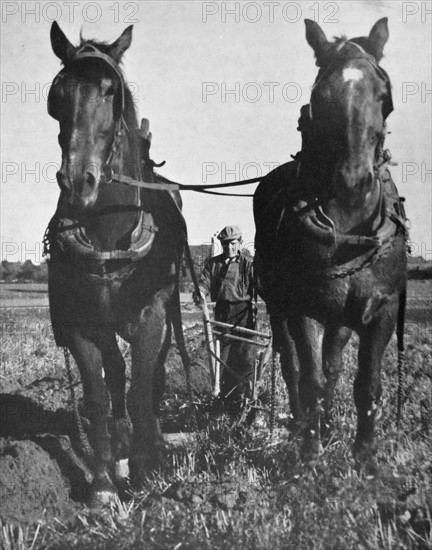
x=374, y=138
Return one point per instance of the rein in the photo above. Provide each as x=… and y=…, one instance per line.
x=88, y=51
x=167, y=185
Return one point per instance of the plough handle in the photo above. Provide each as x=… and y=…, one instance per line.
x=206, y=318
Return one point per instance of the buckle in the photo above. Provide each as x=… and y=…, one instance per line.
x=107, y=173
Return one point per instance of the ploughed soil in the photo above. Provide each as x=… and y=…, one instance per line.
x=42, y=466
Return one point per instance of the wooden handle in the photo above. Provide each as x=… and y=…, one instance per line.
x=145, y=128
x=209, y=339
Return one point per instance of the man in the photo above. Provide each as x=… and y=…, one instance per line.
x=228, y=279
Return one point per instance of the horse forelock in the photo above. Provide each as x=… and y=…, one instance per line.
x=337, y=44
x=102, y=46
x=342, y=47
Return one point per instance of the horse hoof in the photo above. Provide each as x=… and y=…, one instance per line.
x=121, y=470
x=364, y=456
x=141, y=465
x=309, y=458
x=310, y=452
x=102, y=498
x=102, y=493
x=368, y=466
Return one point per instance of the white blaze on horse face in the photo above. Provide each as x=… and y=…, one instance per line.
x=351, y=73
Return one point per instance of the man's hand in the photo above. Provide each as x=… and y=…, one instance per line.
x=197, y=297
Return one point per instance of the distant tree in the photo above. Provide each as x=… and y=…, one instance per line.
x=27, y=271
x=9, y=270
x=420, y=271
x=42, y=276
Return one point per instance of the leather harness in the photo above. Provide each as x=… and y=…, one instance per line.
x=69, y=234
x=389, y=215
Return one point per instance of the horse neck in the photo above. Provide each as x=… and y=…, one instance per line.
x=315, y=176
x=314, y=173
x=117, y=209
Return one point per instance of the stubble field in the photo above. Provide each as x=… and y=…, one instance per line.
x=230, y=486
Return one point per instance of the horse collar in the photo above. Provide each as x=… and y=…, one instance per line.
x=69, y=236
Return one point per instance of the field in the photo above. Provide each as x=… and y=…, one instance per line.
x=231, y=486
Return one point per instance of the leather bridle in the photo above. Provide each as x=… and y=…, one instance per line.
x=341, y=57
x=70, y=234
x=89, y=51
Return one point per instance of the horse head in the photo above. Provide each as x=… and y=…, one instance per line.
x=350, y=101
x=88, y=99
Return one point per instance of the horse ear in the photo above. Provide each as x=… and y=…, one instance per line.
x=59, y=43
x=316, y=39
x=377, y=38
x=118, y=48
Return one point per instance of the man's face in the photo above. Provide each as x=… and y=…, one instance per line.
x=231, y=248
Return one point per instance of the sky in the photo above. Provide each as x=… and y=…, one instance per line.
x=222, y=84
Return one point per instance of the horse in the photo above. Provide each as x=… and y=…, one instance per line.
x=114, y=258
x=331, y=240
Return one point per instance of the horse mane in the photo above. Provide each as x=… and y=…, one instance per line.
x=337, y=41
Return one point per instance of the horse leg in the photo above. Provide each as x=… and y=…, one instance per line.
x=305, y=333
x=142, y=397
x=367, y=386
x=115, y=379
x=88, y=357
x=334, y=340
x=290, y=370
x=159, y=373
x=176, y=319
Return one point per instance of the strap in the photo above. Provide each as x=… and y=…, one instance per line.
x=146, y=184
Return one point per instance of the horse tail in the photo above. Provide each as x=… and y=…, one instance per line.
x=401, y=352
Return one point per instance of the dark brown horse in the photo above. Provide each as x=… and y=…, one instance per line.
x=114, y=261
x=330, y=237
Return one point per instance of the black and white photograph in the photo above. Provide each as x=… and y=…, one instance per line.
x=216, y=275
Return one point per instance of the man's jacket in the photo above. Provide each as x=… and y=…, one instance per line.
x=229, y=280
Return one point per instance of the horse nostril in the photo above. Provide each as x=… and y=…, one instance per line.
x=62, y=181
x=90, y=179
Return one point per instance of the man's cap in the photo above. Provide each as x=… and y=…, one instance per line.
x=230, y=233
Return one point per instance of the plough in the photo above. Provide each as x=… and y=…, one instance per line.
x=257, y=338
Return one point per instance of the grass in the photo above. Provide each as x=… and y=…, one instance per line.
x=236, y=488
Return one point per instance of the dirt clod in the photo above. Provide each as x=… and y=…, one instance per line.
x=30, y=482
